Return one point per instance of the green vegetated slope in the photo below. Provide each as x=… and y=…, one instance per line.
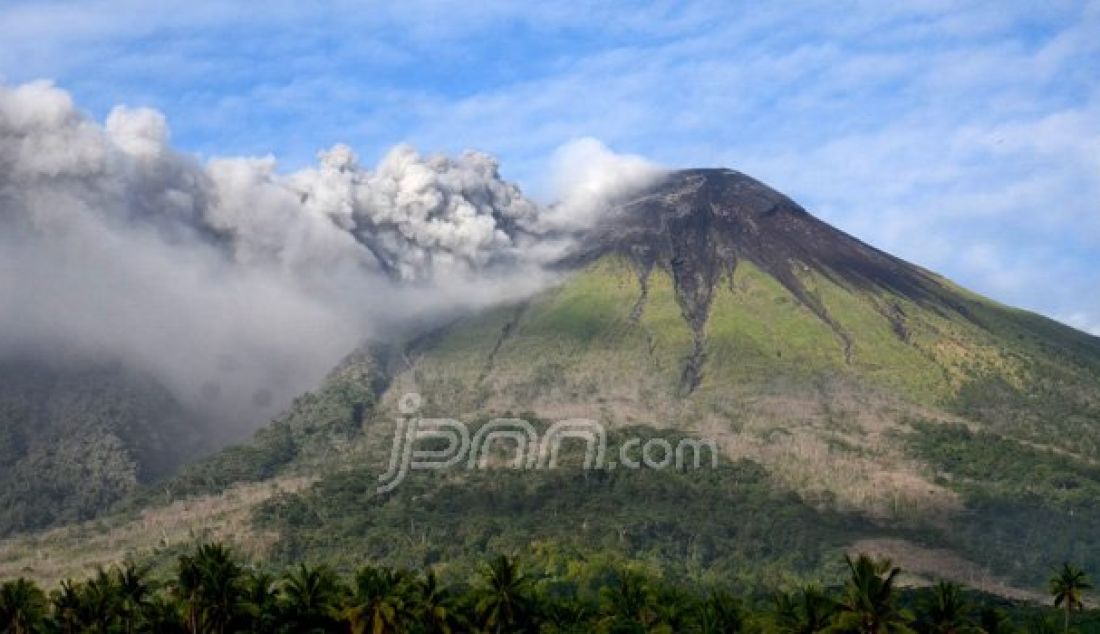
x=898, y=438
x=76, y=437
x=593, y=340
x=730, y=524
x=211, y=498
x=851, y=433
x=848, y=414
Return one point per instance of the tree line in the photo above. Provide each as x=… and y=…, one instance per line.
x=212, y=592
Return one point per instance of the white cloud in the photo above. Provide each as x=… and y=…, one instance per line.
x=1083, y=321
x=113, y=244
x=587, y=176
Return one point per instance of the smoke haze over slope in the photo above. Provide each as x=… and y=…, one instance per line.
x=238, y=286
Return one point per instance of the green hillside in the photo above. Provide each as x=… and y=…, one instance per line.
x=76, y=437
x=858, y=403
x=862, y=436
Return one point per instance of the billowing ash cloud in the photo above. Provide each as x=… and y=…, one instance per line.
x=239, y=286
x=410, y=217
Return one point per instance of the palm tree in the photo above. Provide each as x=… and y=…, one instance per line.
x=188, y=591
x=259, y=602
x=100, y=602
x=806, y=612
x=1067, y=586
x=162, y=615
x=67, y=607
x=947, y=611
x=628, y=605
x=720, y=613
x=436, y=606
x=678, y=610
x=310, y=597
x=209, y=587
x=868, y=605
x=504, y=604
x=993, y=621
x=379, y=601
x=135, y=592
x=22, y=607
x=567, y=614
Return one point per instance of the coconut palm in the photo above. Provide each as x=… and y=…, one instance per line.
x=162, y=615
x=187, y=589
x=807, y=611
x=678, y=611
x=135, y=592
x=100, y=601
x=503, y=602
x=1067, y=587
x=67, y=607
x=947, y=612
x=719, y=613
x=380, y=601
x=259, y=603
x=437, y=607
x=567, y=615
x=209, y=588
x=993, y=621
x=310, y=599
x=868, y=605
x=23, y=607
x=628, y=605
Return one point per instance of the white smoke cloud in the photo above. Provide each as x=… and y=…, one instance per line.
x=239, y=286
x=419, y=213
x=588, y=177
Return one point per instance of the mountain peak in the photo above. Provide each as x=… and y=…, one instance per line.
x=698, y=224
x=721, y=216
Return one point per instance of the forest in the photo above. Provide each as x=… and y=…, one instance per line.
x=213, y=591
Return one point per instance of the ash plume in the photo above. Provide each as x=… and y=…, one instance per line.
x=234, y=284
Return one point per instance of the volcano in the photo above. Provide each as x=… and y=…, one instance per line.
x=710, y=274
x=858, y=401
x=696, y=225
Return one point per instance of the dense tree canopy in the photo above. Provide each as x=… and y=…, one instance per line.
x=211, y=591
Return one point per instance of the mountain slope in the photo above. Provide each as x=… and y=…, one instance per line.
x=717, y=307
x=715, y=284
x=77, y=436
x=856, y=399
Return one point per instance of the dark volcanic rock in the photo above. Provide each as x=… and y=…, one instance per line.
x=698, y=224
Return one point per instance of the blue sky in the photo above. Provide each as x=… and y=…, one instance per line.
x=963, y=136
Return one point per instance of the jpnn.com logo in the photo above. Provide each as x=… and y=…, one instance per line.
x=425, y=444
